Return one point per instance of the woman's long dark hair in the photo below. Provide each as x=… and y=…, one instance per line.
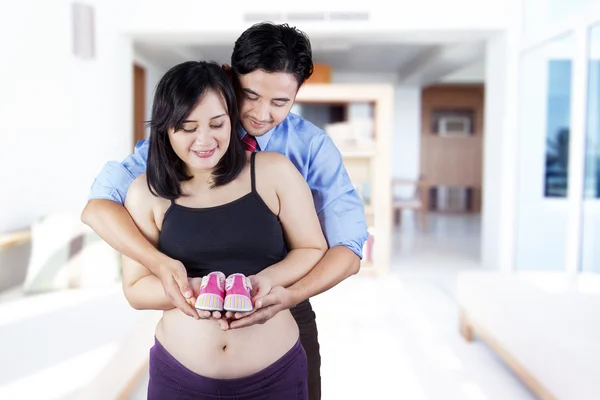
x=177, y=94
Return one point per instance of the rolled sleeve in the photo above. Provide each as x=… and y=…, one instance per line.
x=115, y=178
x=338, y=205
x=344, y=224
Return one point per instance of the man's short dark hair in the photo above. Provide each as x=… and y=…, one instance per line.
x=273, y=48
x=177, y=94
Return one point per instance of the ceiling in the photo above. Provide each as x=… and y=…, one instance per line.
x=406, y=63
x=374, y=58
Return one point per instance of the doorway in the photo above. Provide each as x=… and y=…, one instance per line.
x=139, y=103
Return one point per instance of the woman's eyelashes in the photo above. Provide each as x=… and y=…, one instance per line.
x=194, y=129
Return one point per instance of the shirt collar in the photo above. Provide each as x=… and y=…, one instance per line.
x=262, y=140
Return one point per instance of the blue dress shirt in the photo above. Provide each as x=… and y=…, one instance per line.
x=311, y=150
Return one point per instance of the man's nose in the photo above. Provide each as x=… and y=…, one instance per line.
x=262, y=112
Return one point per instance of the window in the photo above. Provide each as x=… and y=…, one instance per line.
x=543, y=142
x=590, y=260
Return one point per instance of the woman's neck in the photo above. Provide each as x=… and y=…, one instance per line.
x=201, y=181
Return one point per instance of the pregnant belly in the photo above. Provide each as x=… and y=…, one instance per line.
x=202, y=347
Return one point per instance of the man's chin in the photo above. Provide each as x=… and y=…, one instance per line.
x=256, y=133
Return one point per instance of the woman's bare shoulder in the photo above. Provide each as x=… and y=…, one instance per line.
x=139, y=195
x=274, y=163
x=277, y=169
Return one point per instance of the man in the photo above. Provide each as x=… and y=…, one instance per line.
x=268, y=65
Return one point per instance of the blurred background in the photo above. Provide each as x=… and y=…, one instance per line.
x=470, y=129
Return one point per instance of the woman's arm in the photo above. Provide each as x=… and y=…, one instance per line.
x=142, y=288
x=299, y=221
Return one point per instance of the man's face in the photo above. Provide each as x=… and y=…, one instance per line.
x=265, y=100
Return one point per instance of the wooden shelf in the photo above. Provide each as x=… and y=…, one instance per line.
x=360, y=160
x=14, y=239
x=357, y=153
x=343, y=93
x=362, y=150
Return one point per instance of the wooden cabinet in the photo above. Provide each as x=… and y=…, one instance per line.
x=453, y=160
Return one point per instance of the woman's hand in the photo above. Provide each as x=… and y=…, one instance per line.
x=195, y=288
x=261, y=286
x=216, y=315
x=194, y=285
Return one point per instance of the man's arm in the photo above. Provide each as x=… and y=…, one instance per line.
x=111, y=221
x=106, y=215
x=298, y=219
x=142, y=288
x=338, y=264
x=342, y=218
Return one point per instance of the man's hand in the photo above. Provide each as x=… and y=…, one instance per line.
x=261, y=286
x=176, y=286
x=265, y=308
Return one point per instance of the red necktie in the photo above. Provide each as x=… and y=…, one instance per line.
x=250, y=143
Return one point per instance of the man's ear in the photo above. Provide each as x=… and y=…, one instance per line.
x=299, y=87
x=228, y=71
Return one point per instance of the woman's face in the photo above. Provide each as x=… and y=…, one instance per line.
x=205, y=134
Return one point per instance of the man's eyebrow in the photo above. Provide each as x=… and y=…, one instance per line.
x=252, y=92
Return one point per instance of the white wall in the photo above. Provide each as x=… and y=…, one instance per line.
x=63, y=117
x=499, y=160
x=406, y=162
x=407, y=121
x=153, y=74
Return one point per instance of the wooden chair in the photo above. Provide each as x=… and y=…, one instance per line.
x=417, y=200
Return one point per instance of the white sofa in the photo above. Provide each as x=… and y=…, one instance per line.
x=54, y=345
x=545, y=325
x=66, y=330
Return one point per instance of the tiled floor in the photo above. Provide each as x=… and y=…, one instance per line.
x=404, y=343
x=407, y=346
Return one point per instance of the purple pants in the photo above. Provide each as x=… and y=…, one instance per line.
x=286, y=378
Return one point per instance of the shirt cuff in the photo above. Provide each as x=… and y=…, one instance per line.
x=112, y=183
x=103, y=193
x=347, y=229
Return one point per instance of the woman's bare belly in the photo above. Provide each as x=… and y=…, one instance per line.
x=204, y=348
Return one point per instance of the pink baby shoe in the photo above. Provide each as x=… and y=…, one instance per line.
x=212, y=290
x=237, y=298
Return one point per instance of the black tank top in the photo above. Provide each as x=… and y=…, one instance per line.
x=241, y=236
